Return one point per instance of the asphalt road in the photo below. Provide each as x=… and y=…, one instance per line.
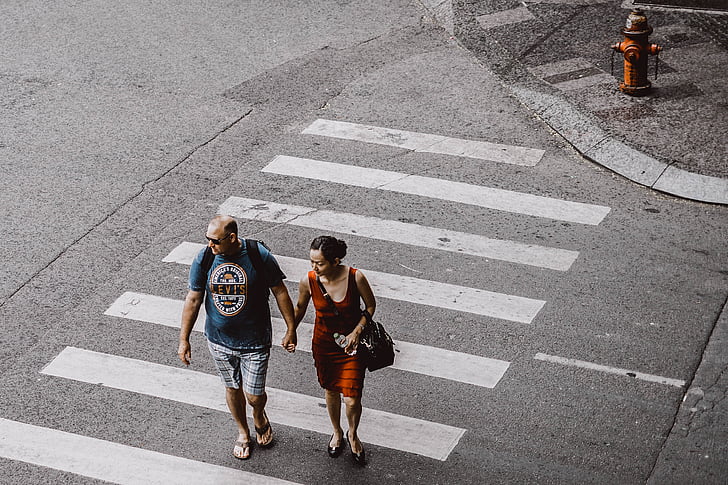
x=126, y=126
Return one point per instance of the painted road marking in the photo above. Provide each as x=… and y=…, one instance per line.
x=584, y=81
x=400, y=232
x=423, y=142
x=112, y=462
x=505, y=17
x=502, y=200
x=571, y=74
x=412, y=435
x=559, y=67
x=405, y=288
x=610, y=370
x=411, y=357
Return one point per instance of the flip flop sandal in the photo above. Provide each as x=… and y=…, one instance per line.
x=262, y=431
x=241, y=451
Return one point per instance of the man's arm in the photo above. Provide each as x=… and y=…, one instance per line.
x=285, y=305
x=193, y=302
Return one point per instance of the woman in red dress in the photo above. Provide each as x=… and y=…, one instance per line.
x=339, y=370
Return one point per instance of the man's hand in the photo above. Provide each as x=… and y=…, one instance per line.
x=290, y=339
x=193, y=302
x=184, y=352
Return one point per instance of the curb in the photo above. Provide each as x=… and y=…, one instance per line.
x=583, y=131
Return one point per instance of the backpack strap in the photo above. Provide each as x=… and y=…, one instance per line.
x=207, y=259
x=254, y=253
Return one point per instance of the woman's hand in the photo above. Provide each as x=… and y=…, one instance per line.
x=352, y=341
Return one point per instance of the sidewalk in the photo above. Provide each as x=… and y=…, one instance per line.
x=556, y=58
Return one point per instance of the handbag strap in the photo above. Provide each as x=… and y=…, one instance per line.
x=327, y=296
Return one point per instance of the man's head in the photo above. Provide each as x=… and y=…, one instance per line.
x=222, y=235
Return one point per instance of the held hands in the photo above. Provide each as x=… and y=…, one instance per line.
x=290, y=339
x=184, y=352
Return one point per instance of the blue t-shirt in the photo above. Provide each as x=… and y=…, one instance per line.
x=236, y=298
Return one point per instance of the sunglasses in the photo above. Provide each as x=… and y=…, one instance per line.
x=218, y=241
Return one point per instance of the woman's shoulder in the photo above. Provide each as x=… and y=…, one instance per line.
x=359, y=276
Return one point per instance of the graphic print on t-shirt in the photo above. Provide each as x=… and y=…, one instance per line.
x=229, y=288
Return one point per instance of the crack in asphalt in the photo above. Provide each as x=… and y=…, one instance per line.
x=681, y=418
x=122, y=205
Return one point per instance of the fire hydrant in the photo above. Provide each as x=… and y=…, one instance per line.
x=636, y=51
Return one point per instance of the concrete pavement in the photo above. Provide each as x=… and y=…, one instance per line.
x=555, y=57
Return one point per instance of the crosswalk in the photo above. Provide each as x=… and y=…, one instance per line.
x=423, y=292
x=426, y=143
x=284, y=407
x=400, y=232
x=477, y=195
x=411, y=357
x=176, y=385
x=112, y=462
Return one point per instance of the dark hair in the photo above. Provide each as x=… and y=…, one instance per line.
x=330, y=247
x=231, y=227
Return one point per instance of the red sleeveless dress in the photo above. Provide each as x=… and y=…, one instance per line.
x=336, y=370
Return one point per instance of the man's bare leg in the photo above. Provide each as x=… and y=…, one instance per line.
x=260, y=420
x=235, y=399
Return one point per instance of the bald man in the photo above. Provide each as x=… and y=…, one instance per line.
x=238, y=323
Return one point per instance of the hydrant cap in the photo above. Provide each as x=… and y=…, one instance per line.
x=637, y=23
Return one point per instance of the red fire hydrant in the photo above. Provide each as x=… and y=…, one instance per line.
x=636, y=51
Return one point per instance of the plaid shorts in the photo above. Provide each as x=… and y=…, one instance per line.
x=239, y=368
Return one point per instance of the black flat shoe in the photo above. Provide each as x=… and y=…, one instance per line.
x=358, y=458
x=335, y=451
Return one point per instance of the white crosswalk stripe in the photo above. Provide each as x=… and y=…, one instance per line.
x=414, y=290
x=503, y=200
x=423, y=142
x=380, y=428
x=422, y=359
x=112, y=462
x=400, y=232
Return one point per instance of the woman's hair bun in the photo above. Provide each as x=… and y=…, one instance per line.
x=330, y=247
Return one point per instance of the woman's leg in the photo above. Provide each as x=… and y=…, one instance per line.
x=353, y=416
x=333, y=406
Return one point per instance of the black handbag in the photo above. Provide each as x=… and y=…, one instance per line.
x=376, y=344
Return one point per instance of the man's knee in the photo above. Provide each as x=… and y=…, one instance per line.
x=235, y=393
x=257, y=400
